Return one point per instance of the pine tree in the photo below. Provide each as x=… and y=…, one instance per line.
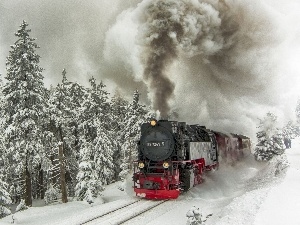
x=64, y=103
x=298, y=112
x=104, y=146
x=118, y=112
x=137, y=114
x=4, y=198
x=44, y=165
x=289, y=130
x=74, y=95
x=270, y=139
x=97, y=145
x=51, y=194
x=22, y=206
x=297, y=126
x=88, y=186
x=4, y=164
x=24, y=98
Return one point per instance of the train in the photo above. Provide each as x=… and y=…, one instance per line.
x=173, y=156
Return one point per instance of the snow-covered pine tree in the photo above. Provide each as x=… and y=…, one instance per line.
x=4, y=198
x=51, y=194
x=60, y=111
x=22, y=206
x=298, y=118
x=298, y=112
x=74, y=98
x=64, y=109
x=88, y=186
x=58, y=121
x=270, y=139
x=43, y=159
x=96, y=138
x=24, y=103
x=118, y=112
x=289, y=132
x=137, y=114
x=77, y=95
x=105, y=147
x=4, y=164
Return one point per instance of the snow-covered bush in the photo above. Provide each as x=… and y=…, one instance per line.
x=270, y=139
x=290, y=130
x=4, y=211
x=51, y=194
x=195, y=217
x=22, y=206
x=87, y=187
x=280, y=163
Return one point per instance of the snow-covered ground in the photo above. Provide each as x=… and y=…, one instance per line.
x=247, y=193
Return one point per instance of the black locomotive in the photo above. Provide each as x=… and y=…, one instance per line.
x=174, y=155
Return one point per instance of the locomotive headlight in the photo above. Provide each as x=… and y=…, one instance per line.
x=153, y=123
x=141, y=165
x=166, y=165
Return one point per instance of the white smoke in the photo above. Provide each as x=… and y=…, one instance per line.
x=231, y=61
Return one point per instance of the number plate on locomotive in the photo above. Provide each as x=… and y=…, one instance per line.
x=155, y=144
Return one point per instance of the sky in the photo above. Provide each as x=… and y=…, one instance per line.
x=222, y=64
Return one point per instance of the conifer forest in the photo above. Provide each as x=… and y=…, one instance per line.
x=67, y=140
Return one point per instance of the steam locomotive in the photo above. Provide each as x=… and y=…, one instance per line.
x=172, y=156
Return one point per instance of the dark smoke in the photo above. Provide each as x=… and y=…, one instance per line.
x=168, y=28
x=160, y=52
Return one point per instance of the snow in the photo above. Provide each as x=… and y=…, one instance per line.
x=284, y=199
x=247, y=193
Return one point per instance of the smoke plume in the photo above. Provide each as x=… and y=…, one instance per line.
x=217, y=63
x=169, y=28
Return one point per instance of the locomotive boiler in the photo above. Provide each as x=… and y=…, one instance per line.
x=172, y=157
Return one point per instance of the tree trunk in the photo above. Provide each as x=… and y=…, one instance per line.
x=64, y=197
x=41, y=182
x=27, y=192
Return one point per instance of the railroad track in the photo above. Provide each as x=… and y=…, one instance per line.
x=141, y=212
x=124, y=213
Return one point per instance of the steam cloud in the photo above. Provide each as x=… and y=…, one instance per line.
x=218, y=63
x=168, y=27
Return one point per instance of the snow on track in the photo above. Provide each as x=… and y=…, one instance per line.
x=96, y=211
x=125, y=214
